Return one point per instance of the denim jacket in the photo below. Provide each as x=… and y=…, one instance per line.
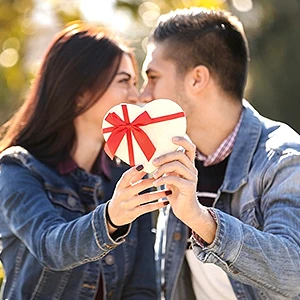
x=53, y=248
x=257, y=242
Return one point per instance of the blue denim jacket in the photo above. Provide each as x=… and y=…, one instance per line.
x=258, y=215
x=52, y=248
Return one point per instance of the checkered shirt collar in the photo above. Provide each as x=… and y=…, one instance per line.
x=223, y=150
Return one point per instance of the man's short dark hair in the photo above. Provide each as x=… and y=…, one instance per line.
x=214, y=38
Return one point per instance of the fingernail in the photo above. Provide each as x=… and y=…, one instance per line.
x=155, y=161
x=139, y=167
x=166, y=202
x=168, y=193
x=175, y=138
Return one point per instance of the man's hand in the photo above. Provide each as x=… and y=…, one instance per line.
x=176, y=170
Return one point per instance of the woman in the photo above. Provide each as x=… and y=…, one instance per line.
x=61, y=236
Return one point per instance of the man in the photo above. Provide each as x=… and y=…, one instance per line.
x=245, y=224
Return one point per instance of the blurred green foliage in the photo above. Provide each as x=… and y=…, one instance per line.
x=167, y=5
x=15, y=26
x=274, y=67
x=1, y=274
x=272, y=28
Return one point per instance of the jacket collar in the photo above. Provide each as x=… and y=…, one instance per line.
x=243, y=150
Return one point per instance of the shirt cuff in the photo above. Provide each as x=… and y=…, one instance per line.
x=197, y=237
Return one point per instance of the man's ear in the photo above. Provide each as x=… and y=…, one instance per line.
x=198, y=78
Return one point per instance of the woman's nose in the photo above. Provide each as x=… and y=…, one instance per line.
x=134, y=96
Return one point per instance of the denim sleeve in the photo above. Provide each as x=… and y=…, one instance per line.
x=57, y=244
x=142, y=284
x=268, y=259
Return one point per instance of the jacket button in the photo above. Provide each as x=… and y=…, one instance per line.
x=109, y=260
x=110, y=294
x=100, y=193
x=72, y=201
x=177, y=236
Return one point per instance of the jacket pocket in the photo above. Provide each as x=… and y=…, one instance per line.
x=68, y=204
x=51, y=285
x=251, y=214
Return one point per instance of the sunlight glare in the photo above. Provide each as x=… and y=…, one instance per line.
x=243, y=5
x=95, y=10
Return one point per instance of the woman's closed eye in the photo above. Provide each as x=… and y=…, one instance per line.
x=128, y=82
x=124, y=80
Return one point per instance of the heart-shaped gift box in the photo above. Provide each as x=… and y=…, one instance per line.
x=137, y=134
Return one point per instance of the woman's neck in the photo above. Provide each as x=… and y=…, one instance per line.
x=86, y=152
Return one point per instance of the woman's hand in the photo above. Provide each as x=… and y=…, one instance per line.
x=126, y=203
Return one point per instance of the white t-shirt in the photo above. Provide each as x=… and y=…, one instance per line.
x=209, y=281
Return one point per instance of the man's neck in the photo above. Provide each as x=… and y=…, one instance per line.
x=208, y=128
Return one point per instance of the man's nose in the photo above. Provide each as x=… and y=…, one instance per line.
x=146, y=95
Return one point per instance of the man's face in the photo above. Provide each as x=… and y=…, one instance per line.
x=161, y=78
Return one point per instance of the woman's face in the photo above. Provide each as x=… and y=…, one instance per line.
x=122, y=89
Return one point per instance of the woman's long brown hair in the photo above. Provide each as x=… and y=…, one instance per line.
x=80, y=59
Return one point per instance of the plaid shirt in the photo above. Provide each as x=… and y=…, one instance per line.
x=223, y=150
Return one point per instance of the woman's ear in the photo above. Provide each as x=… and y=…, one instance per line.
x=199, y=78
x=82, y=100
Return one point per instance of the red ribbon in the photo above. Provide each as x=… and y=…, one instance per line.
x=121, y=128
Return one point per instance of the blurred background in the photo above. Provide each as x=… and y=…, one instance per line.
x=272, y=27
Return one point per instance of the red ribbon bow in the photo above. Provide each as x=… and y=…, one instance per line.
x=121, y=128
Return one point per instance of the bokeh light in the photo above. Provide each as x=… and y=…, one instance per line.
x=9, y=57
x=242, y=5
x=11, y=42
x=149, y=12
